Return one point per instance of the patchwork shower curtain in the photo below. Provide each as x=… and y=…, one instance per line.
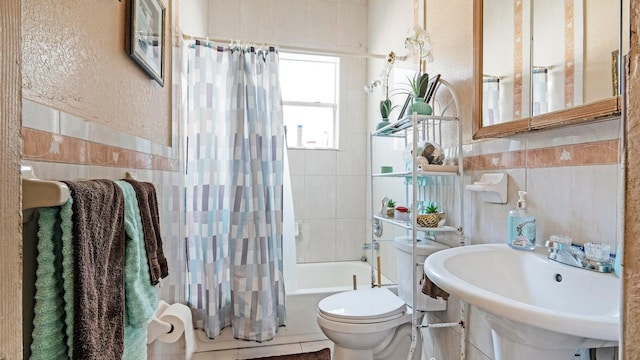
x=235, y=148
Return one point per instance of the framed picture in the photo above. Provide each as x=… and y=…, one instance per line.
x=404, y=107
x=431, y=88
x=146, y=36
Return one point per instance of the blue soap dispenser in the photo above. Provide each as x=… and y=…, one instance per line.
x=521, y=226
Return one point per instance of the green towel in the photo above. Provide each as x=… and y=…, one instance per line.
x=141, y=299
x=53, y=311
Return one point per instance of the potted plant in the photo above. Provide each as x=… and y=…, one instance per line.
x=420, y=42
x=391, y=207
x=386, y=105
x=417, y=89
x=430, y=216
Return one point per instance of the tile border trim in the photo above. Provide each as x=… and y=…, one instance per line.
x=39, y=145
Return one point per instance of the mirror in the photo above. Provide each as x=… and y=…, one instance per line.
x=544, y=63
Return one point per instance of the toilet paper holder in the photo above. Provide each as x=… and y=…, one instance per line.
x=157, y=328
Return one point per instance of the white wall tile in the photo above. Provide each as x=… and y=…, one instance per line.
x=350, y=236
x=105, y=172
x=256, y=21
x=605, y=130
x=73, y=126
x=55, y=171
x=353, y=158
x=162, y=150
x=494, y=146
x=128, y=141
x=320, y=240
x=321, y=23
x=353, y=114
x=289, y=17
x=224, y=19
x=296, y=161
x=572, y=201
x=353, y=75
x=480, y=333
x=40, y=117
x=320, y=197
x=320, y=162
x=103, y=134
x=549, y=198
x=351, y=33
x=486, y=222
x=298, y=193
x=142, y=145
x=194, y=17
x=351, y=196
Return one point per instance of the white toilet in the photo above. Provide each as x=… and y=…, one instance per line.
x=374, y=323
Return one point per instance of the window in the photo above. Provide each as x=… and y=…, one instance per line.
x=309, y=85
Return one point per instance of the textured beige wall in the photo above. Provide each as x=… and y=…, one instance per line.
x=10, y=220
x=74, y=60
x=453, y=51
x=631, y=260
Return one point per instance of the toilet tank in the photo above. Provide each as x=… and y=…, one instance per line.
x=405, y=265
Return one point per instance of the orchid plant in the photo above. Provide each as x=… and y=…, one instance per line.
x=385, y=105
x=419, y=41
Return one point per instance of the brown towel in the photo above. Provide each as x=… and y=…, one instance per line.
x=98, y=240
x=431, y=289
x=148, y=204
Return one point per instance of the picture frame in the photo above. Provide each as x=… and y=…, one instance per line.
x=431, y=88
x=145, y=41
x=404, y=107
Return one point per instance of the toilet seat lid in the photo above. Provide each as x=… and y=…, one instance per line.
x=373, y=303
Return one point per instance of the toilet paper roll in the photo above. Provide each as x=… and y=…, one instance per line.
x=170, y=323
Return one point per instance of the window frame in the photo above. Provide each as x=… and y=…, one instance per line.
x=334, y=106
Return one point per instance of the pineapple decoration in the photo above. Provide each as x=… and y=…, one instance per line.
x=430, y=216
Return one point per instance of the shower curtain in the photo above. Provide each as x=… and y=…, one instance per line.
x=234, y=170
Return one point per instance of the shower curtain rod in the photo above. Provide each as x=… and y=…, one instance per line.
x=297, y=49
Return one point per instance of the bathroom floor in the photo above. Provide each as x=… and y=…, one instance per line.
x=250, y=353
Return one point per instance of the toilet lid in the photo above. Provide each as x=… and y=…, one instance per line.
x=373, y=303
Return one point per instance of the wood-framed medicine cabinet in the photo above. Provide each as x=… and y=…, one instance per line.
x=544, y=64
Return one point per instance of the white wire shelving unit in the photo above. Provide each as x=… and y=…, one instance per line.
x=424, y=183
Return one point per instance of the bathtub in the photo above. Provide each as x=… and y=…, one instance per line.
x=302, y=296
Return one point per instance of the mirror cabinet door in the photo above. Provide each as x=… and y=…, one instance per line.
x=544, y=63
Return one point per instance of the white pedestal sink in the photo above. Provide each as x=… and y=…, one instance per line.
x=537, y=308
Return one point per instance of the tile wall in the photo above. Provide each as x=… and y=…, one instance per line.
x=329, y=186
x=572, y=178
x=60, y=146
x=572, y=174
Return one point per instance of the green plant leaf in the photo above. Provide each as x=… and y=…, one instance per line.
x=432, y=208
x=423, y=84
x=418, y=85
x=385, y=108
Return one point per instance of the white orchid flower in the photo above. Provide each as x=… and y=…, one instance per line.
x=419, y=40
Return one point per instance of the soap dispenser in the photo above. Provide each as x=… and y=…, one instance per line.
x=521, y=226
